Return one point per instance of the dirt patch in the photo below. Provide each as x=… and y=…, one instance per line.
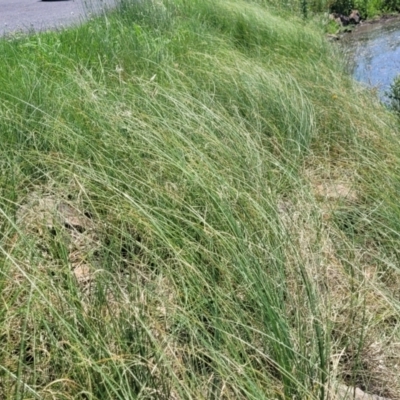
x=344, y=392
x=382, y=19
x=335, y=191
x=52, y=219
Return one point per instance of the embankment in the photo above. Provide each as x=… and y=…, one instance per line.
x=196, y=201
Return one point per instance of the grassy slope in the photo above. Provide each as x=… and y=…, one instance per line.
x=195, y=202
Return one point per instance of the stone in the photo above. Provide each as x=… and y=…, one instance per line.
x=354, y=17
x=344, y=392
x=344, y=20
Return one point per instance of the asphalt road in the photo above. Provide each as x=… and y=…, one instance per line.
x=27, y=15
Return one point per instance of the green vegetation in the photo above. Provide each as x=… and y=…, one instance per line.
x=196, y=202
x=394, y=95
x=367, y=8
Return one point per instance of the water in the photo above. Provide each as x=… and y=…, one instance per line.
x=374, y=52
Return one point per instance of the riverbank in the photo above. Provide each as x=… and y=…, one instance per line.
x=338, y=31
x=196, y=202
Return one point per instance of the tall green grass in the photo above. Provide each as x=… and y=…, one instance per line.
x=196, y=201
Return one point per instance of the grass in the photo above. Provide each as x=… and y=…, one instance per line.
x=196, y=201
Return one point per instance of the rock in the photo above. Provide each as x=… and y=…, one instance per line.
x=344, y=392
x=344, y=20
x=355, y=17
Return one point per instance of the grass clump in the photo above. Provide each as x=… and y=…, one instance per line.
x=196, y=202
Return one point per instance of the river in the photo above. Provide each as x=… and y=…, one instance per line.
x=374, y=53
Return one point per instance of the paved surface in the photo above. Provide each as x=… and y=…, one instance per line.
x=26, y=15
